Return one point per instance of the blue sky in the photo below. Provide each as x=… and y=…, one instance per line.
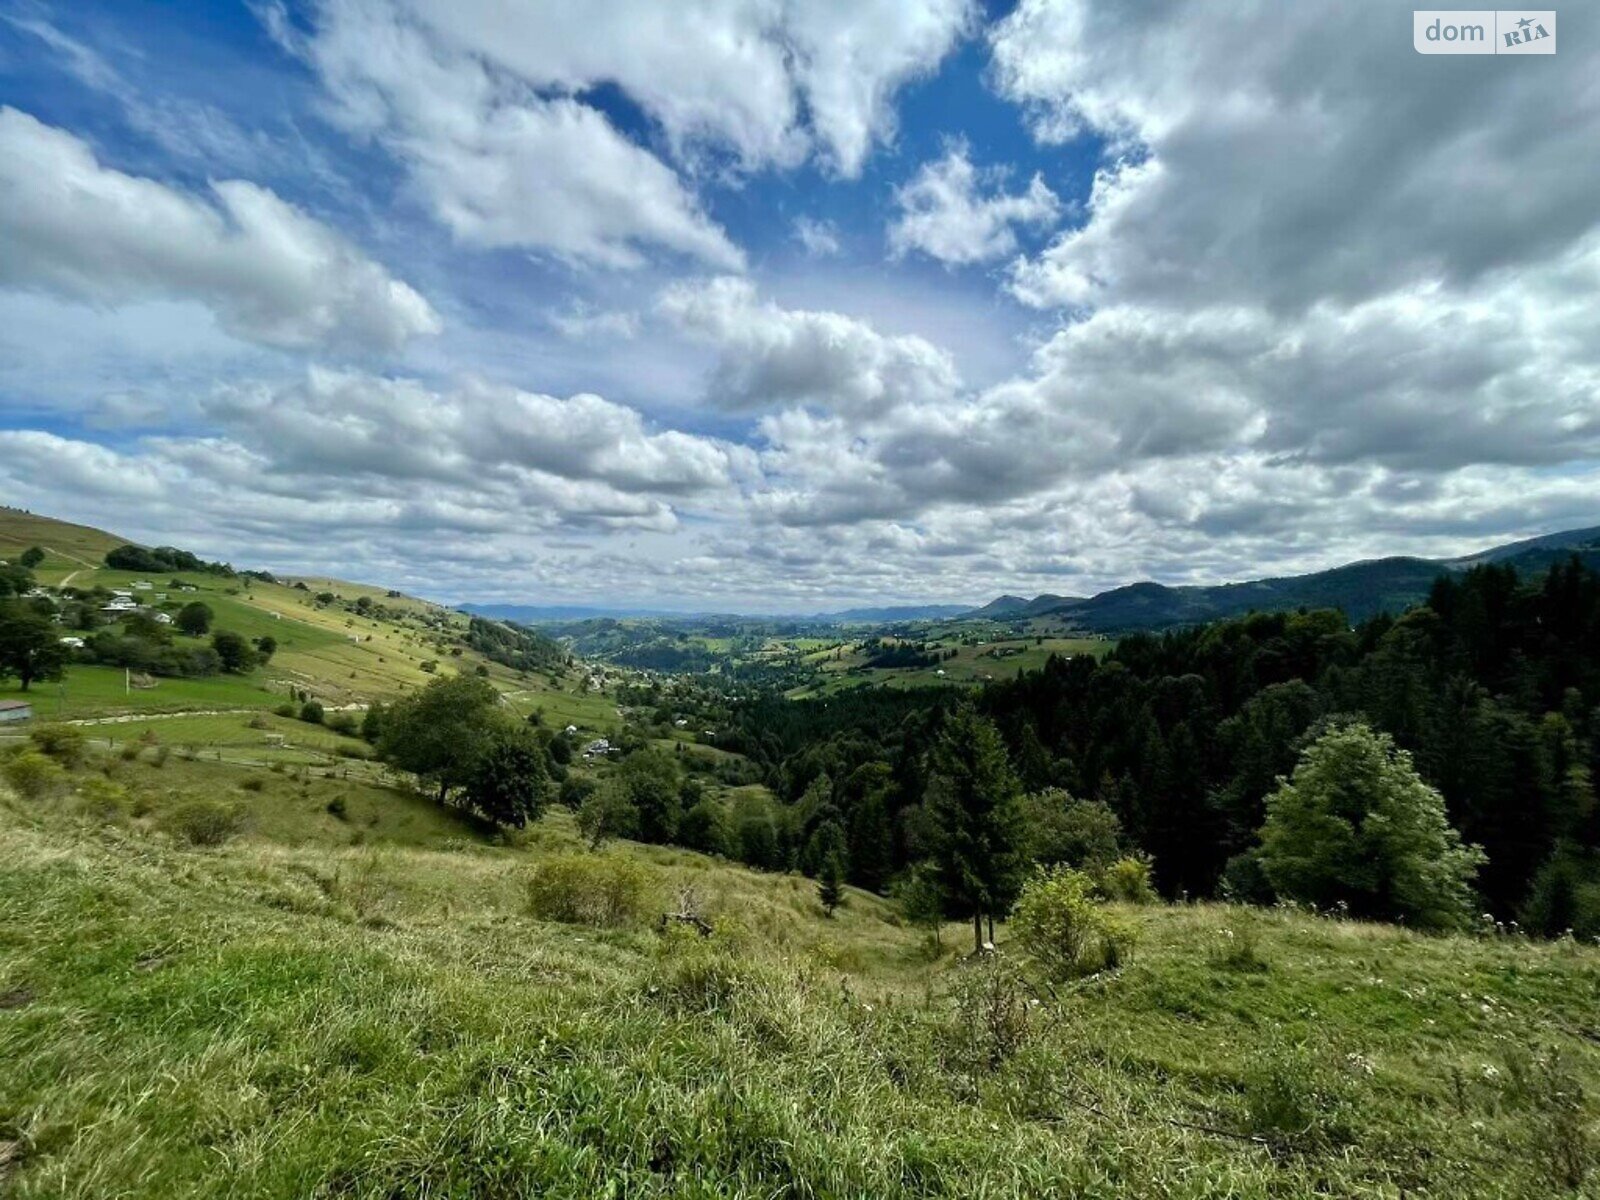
x=776, y=306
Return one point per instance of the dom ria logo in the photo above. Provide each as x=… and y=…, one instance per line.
x=1484, y=31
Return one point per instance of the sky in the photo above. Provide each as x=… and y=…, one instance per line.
x=785, y=305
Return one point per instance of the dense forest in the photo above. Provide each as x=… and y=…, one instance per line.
x=1492, y=686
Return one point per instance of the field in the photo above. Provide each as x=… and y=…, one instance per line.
x=343, y=657
x=366, y=1005
x=974, y=662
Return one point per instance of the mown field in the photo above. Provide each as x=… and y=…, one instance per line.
x=372, y=1004
x=845, y=666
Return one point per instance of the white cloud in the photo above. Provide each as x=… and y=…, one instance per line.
x=820, y=239
x=1292, y=154
x=270, y=273
x=769, y=357
x=497, y=163
x=768, y=80
x=944, y=215
x=579, y=321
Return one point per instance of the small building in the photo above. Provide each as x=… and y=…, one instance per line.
x=163, y=618
x=598, y=748
x=144, y=585
x=72, y=643
x=571, y=729
x=15, y=710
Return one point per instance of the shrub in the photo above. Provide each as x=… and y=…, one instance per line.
x=1289, y=1100
x=204, y=823
x=311, y=712
x=337, y=808
x=254, y=784
x=1058, y=922
x=1127, y=880
x=344, y=723
x=1237, y=949
x=61, y=742
x=588, y=889
x=993, y=1014
x=103, y=798
x=286, y=710
x=34, y=775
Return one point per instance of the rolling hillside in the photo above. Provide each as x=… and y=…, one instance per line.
x=347, y=644
x=1358, y=589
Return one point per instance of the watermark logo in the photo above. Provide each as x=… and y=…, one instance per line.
x=1484, y=31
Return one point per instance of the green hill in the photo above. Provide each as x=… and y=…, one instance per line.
x=1359, y=590
x=348, y=644
x=290, y=1013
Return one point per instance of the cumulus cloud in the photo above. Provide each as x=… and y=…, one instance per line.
x=944, y=214
x=819, y=238
x=271, y=274
x=498, y=163
x=768, y=356
x=1286, y=155
x=767, y=80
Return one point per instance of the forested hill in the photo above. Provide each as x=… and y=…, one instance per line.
x=1359, y=590
x=1493, y=685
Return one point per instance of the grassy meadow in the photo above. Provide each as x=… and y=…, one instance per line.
x=372, y=999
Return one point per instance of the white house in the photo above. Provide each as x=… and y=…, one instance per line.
x=598, y=748
x=72, y=643
x=143, y=585
x=163, y=618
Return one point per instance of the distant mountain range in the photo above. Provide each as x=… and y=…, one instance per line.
x=1359, y=589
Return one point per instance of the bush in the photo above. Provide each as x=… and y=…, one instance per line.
x=286, y=710
x=1058, y=922
x=1289, y=1100
x=311, y=712
x=102, y=798
x=204, y=823
x=34, y=775
x=63, y=743
x=992, y=1018
x=588, y=889
x=1127, y=880
x=1237, y=949
x=344, y=723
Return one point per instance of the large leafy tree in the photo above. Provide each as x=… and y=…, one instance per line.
x=29, y=646
x=1356, y=824
x=508, y=780
x=654, y=786
x=195, y=618
x=972, y=819
x=439, y=733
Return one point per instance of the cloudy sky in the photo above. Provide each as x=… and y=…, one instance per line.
x=778, y=305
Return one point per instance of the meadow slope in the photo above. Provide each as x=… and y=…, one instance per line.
x=314, y=1007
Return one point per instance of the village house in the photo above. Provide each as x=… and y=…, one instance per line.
x=72, y=643
x=15, y=710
